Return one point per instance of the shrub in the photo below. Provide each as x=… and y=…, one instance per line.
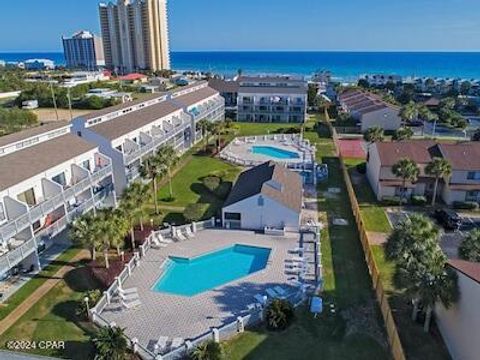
x=465, y=205
x=419, y=200
x=93, y=298
x=194, y=212
x=223, y=190
x=362, y=168
x=279, y=315
x=209, y=350
x=211, y=182
x=393, y=200
x=469, y=249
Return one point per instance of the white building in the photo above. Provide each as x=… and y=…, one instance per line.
x=130, y=132
x=369, y=110
x=272, y=99
x=107, y=93
x=382, y=79
x=83, y=77
x=39, y=64
x=461, y=321
x=49, y=177
x=266, y=196
x=462, y=185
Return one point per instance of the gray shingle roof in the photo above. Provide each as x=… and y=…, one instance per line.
x=25, y=134
x=255, y=181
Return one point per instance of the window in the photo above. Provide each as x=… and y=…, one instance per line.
x=261, y=201
x=86, y=164
x=232, y=216
x=473, y=175
x=28, y=197
x=472, y=195
x=60, y=179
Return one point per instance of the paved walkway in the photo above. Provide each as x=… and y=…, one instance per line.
x=21, y=309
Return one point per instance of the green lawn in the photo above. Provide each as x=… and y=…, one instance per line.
x=26, y=290
x=372, y=212
x=358, y=333
x=53, y=318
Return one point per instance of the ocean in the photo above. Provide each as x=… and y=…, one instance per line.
x=343, y=65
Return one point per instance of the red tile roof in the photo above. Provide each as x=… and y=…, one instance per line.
x=463, y=156
x=417, y=150
x=470, y=269
x=132, y=77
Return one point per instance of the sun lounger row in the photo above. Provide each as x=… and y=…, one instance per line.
x=185, y=235
x=129, y=298
x=163, y=344
x=276, y=292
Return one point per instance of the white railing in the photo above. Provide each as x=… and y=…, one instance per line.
x=35, y=213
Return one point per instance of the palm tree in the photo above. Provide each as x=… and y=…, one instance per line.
x=469, y=248
x=120, y=227
x=109, y=226
x=426, y=115
x=439, y=168
x=83, y=232
x=209, y=350
x=167, y=159
x=403, y=133
x=207, y=127
x=409, y=112
x=111, y=343
x=373, y=134
x=132, y=207
x=407, y=170
x=218, y=130
x=151, y=169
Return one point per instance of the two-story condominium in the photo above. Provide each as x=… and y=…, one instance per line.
x=369, y=110
x=48, y=178
x=272, y=99
x=462, y=185
x=131, y=132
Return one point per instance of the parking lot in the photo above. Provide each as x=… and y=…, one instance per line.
x=450, y=240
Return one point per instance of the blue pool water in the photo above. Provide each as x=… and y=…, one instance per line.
x=274, y=152
x=189, y=277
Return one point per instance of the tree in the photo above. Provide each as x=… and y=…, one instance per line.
x=373, y=134
x=132, y=206
x=93, y=297
x=409, y=112
x=151, y=169
x=111, y=343
x=167, y=159
x=84, y=233
x=363, y=83
x=279, y=314
x=469, y=248
x=218, y=130
x=118, y=230
x=439, y=168
x=404, y=133
x=209, y=350
x=207, y=128
x=465, y=87
x=407, y=170
x=109, y=227
x=194, y=212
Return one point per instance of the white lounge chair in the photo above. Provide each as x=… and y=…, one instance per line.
x=176, y=343
x=157, y=243
x=131, y=305
x=297, y=250
x=189, y=233
x=180, y=236
x=272, y=293
x=297, y=259
x=162, y=239
x=261, y=299
x=133, y=290
x=161, y=344
x=128, y=297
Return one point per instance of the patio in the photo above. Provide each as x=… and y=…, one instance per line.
x=162, y=314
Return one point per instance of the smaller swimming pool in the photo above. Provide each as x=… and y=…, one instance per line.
x=274, y=152
x=189, y=277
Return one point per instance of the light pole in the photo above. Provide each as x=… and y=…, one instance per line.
x=87, y=300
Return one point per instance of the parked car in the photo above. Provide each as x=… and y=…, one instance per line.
x=449, y=219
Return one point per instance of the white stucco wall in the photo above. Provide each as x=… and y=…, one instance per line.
x=460, y=324
x=272, y=213
x=387, y=119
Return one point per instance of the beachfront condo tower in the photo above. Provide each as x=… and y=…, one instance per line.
x=135, y=35
x=83, y=50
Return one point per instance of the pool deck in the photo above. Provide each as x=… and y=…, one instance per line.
x=170, y=315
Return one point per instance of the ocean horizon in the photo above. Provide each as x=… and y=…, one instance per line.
x=344, y=65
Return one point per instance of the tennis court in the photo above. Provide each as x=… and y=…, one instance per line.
x=352, y=148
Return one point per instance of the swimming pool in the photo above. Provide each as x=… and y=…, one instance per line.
x=274, y=152
x=189, y=277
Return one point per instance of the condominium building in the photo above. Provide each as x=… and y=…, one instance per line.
x=49, y=177
x=83, y=50
x=272, y=99
x=131, y=132
x=135, y=35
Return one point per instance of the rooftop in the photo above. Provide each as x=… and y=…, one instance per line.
x=224, y=86
x=28, y=133
x=463, y=156
x=286, y=187
x=196, y=96
x=34, y=160
x=470, y=269
x=274, y=90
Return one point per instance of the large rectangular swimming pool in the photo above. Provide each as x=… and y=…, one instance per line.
x=274, y=152
x=189, y=277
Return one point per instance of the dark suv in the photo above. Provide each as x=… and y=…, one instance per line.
x=448, y=219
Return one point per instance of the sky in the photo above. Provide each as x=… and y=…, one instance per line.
x=216, y=25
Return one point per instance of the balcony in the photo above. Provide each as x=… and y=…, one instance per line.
x=159, y=137
x=206, y=109
x=26, y=248
x=33, y=214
